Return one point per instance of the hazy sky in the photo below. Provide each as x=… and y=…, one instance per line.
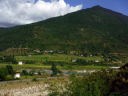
x=17, y=12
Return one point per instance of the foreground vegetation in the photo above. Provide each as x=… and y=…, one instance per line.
x=102, y=83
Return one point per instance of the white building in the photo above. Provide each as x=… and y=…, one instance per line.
x=17, y=75
x=97, y=61
x=20, y=63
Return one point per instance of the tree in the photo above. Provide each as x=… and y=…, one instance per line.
x=10, y=59
x=24, y=72
x=54, y=69
x=10, y=70
x=3, y=74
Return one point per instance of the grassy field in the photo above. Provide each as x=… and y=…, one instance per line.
x=39, y=61
x=56, y=57
x=36, y=66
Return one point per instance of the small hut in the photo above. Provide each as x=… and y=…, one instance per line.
x=20, y=63
x=17, y=75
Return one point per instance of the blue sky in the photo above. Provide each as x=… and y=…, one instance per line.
x=115, y=5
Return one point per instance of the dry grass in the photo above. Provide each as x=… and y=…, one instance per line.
x=29, y=88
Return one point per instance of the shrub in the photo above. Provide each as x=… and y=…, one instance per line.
x=6, y=73
x=10, y=70
x=54, y=70
x=3, y=74
x=34, y=80
x=29, y=62
x=9, y=77
x=24, y=72
x=97, y=84
x=8, y=59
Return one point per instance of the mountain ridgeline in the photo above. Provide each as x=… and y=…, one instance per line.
x=94, y=29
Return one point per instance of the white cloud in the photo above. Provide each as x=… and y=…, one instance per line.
x=16, y=12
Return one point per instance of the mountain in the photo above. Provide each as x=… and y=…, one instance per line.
x=94, y=29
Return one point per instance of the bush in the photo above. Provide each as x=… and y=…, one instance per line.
x=97, y=84
x=24, y=72
x=3, y=74
x=82, y=62
x=54, y=70
x=34, y=80
x=29, y=62
x=9, y=77
x=6, y=73
x=10, y=70
x=8, y=59
x=61, y=63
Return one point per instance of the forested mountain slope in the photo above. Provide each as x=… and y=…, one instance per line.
x=94, y=29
